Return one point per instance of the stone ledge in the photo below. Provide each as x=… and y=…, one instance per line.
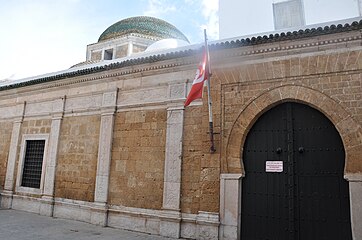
x=353, y=177
x=233, y=176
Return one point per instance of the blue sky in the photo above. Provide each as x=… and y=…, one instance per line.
x=42, y=36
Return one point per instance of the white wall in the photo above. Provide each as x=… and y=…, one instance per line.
x=246, y=17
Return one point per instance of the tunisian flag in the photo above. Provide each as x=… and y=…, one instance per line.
x=198, y=83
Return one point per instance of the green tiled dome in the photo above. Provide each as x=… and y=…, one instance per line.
x=148, y=26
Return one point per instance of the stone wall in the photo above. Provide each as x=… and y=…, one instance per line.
x=5, y=136
x=121, y=51
x=77, y=158
x=138, y=48
x=39, y=126
x=331, y=83
x=96, y=56
x=236, y=88
x=138, y=155
x=192, y=154
x=201, y=169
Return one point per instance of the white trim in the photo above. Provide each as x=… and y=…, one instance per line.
x=353, y=177
x=173, y=159
x=25, y=138
x=355, y=196
x=230, y=199
x=109, y=100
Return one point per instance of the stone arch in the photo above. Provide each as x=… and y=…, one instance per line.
x=349, y=130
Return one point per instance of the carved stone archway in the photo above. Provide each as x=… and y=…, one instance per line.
x=349, y=130
x=232, y=165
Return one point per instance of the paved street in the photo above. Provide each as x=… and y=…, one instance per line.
x=18, y=225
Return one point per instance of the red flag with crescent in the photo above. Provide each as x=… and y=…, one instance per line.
x=198, y=83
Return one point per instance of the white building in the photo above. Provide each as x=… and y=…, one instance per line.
x=240, y=18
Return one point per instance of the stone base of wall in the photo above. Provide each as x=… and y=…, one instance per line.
x=42, y=206
x=74, y=209
x=6, y=199
x=167, y=223
x=28, y=204
x=139, y=220
x=204, y=225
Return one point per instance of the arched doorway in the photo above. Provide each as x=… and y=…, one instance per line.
x=293, y=187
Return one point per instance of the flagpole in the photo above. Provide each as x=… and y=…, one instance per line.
x=211, y=124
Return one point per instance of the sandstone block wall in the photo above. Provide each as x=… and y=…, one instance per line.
x=193, y=150
x=138, y=155
x=77, y=158
x=38, y=126
x=5, y=137
x=235, y=92
x=329, y=81
x=200, y=168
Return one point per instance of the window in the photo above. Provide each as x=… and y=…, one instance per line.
x=31, y=166
x=108, y=54
x=33, y=163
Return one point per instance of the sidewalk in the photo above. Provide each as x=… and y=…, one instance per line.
x=18, y=225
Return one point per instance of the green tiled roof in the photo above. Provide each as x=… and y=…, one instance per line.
x=149, y=26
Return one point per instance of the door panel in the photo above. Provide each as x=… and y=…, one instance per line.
x=309, y=199
x=265, y=202
x=319, y=176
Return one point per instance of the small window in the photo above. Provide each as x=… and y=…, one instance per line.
x=33, y=163
x=108, y=54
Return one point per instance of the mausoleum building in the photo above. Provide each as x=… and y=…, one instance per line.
x=109, y=141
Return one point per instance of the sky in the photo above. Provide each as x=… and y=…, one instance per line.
x=42, y=36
